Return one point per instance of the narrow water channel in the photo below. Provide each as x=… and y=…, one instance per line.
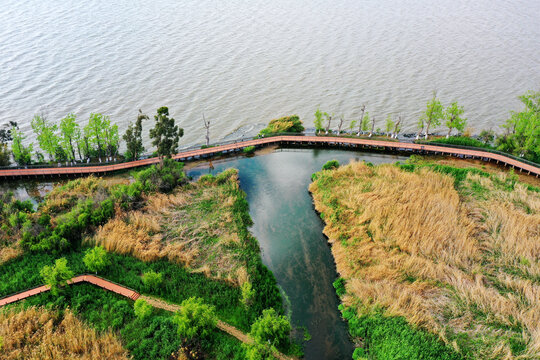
x=290, y=235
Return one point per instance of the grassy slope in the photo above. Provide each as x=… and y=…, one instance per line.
x=451, y=251
x=212, y=197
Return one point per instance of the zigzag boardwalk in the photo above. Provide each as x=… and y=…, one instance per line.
x=359, y=143
x=133, y=295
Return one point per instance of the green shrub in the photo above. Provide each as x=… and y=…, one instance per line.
x=331, y=164
x=57, y=275
x=142, y=309
x=163, y=177
x=248, y=150
x=272, y=328
x=285, y=124
x=462, y=141
x=339, y=285
x=96, y=259
x=195, y=319
x=152, y=280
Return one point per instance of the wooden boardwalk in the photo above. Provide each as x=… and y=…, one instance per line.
x=133, y=295
x=356, y=143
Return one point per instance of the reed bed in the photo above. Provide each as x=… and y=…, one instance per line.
x=36, y=333
x=193, y=226
x=460, y=260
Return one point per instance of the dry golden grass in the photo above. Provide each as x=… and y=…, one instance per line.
x=193, y=226
x=464, y=261
x=10, y=252
x=36, y=333
x=64, y=196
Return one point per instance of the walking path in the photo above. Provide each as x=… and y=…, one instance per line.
x=133, y=295
x=360, y=143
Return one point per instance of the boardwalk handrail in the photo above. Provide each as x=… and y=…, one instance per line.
x=74, y=280
x=235, y=145
x=494, y=151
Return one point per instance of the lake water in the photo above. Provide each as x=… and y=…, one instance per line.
x=243, y=63
x=290, y=235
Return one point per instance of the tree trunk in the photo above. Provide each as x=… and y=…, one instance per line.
x=396, y=127
x=420, y=131
x=363, y=109
x=207, y=126
x=372, y=126
x=427, y=130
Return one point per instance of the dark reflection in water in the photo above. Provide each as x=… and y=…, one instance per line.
x=33, y=190
x=290, y=235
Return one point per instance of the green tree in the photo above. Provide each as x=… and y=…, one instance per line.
x=94, y=133
x=22, y=154
x=271, y=328
x=165, y=135
x=142, y=309
x=195, y=319
x=365, y=122
x=96, y=259
x=133, y=137
x=152, y=280
x=83, y=146
x=69, y=135
x=389, y=124
x=352, y=125
x=453, y=118
x=46, y=135
x=318, y=120
x=433, y=114
x=523, y=129
x=57, y=275
x=111, y=138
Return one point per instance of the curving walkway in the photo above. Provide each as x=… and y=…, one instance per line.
x=133, y=295
x=360, y=143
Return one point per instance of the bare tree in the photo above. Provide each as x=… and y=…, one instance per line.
x=397, y=127
x=207, y=126
x=341, y=120
x=362, y=109
x=329, y=119
x=372, y=126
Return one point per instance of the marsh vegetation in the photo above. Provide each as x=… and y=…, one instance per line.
x=436, y=261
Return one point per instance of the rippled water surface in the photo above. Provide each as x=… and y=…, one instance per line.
x=289, y=232
x=245, y=62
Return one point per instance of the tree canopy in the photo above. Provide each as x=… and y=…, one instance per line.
x=46, y=135
x=22, y=154
x=69, y=135
x=195, y=319
x=432, y=115
x=522, y=136
x=271, y=328
x=96, y=259
x=165, y=135
x=452, y=115
x=57, y=275
x=133, y=138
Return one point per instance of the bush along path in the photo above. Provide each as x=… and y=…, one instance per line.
x=133, y=295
